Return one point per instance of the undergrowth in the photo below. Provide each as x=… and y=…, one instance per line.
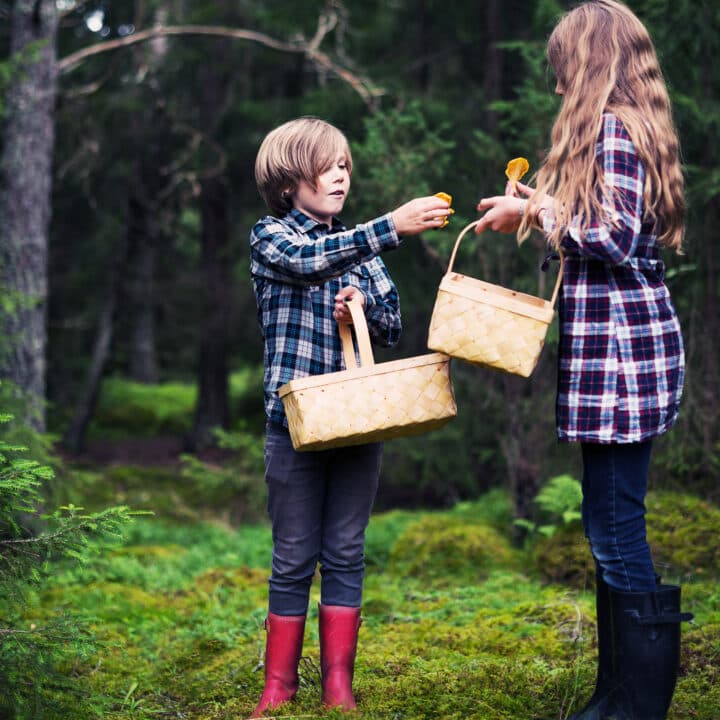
x=178, y=609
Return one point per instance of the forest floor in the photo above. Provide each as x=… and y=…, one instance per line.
x=163, y=450
x=458, y=623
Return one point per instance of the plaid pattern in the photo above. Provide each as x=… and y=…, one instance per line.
x=621, y=358
x=298, y=266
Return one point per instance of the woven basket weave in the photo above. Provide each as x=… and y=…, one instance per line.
x=370, y=403
x=487, y=324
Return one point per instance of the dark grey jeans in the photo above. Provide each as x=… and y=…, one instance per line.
x=319, y=504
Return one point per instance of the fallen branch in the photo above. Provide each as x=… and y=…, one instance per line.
x=363, y=87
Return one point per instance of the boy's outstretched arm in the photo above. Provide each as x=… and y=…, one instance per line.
x=420, y=214
x=280, y=252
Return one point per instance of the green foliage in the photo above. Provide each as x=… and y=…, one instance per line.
x=533, y=98
x=400, y=157
x=134, y=408
x=128, y=408
x=237, y=482
x=35, y=653
x=560, y=500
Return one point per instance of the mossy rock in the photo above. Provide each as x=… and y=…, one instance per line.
x=683, y=533
x=565, y=558
x=445, y=551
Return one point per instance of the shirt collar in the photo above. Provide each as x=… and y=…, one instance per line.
x=307, y=224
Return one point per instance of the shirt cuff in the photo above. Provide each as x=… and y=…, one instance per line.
x=381, y=234
x=369, y=300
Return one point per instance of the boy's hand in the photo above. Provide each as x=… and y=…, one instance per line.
x=425, y=213
x=341, y=313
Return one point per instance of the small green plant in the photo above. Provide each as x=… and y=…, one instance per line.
x=34, y=653
x=236, y=482
x=560, y=502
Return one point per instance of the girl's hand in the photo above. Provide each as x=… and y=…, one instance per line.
x=537, y=210
x=420, y=214
x=503, y=213
x=341, y=313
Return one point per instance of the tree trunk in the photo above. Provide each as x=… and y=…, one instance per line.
x=74, y=437
x=212, y=404
x=212, y=408
x=143, y=226
x=493, y=76
x=25, y=187
x=710, y=393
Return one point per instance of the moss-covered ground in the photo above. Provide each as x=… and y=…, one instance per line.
x=457, y=622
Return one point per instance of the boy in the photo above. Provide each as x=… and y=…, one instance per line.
x=305, y=264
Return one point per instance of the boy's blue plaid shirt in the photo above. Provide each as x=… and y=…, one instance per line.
x=298, y=266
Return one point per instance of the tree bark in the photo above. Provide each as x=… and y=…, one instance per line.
x=213, y=385
x=143, y=230
x=709, y=338
x=493, y=76
x=74, y=437
x=25, y=187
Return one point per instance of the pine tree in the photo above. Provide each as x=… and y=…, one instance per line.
x=33, y=655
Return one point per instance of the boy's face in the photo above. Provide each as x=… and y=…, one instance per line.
x=328, y=197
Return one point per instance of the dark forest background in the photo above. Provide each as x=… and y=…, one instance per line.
x=134, y=545
x=128, y=194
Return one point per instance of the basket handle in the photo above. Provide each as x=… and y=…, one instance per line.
x=472, y=225
x=361, y=334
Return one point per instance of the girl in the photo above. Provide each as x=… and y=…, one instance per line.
x=304, y=265
x=608, y=196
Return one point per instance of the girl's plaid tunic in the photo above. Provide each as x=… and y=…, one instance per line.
x=298, y=265
x=621, y=359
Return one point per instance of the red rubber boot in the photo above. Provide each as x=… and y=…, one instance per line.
x=339, y=628
x=282, y=655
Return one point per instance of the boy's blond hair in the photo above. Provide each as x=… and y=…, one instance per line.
x=298, y=150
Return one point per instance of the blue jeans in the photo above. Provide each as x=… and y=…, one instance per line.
x=319, y=505
x=614, y=486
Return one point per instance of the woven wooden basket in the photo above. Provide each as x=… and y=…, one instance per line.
x=369, y=403
x=487, y=324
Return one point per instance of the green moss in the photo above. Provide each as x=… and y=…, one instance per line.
x=179, y=610
x=683, y=533
x=445, y=550
x=565, y=558
x=494, y=508
x=128, y=408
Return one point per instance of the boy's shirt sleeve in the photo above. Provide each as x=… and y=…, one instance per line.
x=382, y=304
x=615, y=240
x=282, y=252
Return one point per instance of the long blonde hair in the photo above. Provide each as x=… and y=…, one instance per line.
x=604, y=61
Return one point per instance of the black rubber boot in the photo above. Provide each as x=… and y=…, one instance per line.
x=646, y=653
x=593, y=710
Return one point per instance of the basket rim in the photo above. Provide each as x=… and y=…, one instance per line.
x=314, y=381
x=530, y=306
